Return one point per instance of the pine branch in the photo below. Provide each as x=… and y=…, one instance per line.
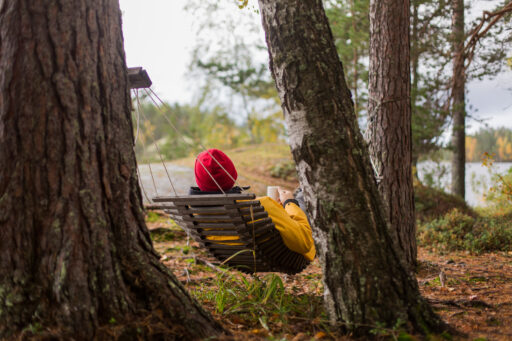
x=491, y=18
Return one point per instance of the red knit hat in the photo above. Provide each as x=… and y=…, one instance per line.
x=210, y=159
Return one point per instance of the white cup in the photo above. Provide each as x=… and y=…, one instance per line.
x=273, y=192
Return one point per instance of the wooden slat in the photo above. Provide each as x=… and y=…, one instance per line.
x=265, y=236
x=273, y=243
x=255, y=209
x=220, y=233
x=239, y=228
x=302, y=264
x=206, y=210
x=261, y=234
x=288, y=258
x=294, y=262
x=272, y=254
x=138, y=78
x=213, y=219
x=258, y=230
x=267, y=254
x=242, y=204
x=222, y=226
x=255, y=216
x=229, y=206
x=233, y=248
x=278, y=252
x=215, y=198
x=256, y=224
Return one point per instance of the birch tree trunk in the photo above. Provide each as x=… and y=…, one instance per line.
x=365, y=276
x=389, y=123
x=75, y=255
x=458, y=101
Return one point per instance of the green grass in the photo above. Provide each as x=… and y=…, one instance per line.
x=154, y=217
x=262, y=302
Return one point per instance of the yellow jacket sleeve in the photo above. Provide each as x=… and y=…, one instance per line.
x=293, y=225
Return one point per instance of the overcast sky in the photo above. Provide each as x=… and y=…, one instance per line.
x=159, y=35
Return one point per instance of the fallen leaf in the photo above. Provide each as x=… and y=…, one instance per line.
x=320, y=335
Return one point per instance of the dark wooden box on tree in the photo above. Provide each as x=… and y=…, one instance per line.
x=138, y=78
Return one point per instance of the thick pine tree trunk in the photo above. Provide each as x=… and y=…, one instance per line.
x=389, y=109
x=458, y=101
x=75, y=253
x=365, y=275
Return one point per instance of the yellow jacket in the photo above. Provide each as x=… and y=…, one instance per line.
x=292, y=224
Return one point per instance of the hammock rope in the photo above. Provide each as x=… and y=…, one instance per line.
x=134, y=144
x=200, y=144
x=159, y=106
x=151, y=94
x=156, y=145
x=149, y=163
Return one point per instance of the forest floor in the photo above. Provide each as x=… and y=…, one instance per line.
x=476, y=297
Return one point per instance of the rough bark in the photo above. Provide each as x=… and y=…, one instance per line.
x=365, y=276
x=75, y=253
x=415, y=54
x=389, y=123
x=458, y=101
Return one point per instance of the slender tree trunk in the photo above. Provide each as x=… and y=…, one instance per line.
x=415, y=56
x=355, y=59
x=75, y=253
x=415, y=53
x=365, y=277
x=389, y=110
x=458, y=101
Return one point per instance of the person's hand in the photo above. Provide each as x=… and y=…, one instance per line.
x=284, y=195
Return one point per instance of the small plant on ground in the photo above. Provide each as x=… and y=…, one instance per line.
x=259, y=302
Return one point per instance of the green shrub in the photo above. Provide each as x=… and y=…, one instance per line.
x=283, y=170
x=457, y=231
x=499, y=196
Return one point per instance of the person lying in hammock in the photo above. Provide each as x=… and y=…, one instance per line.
x=215, y=173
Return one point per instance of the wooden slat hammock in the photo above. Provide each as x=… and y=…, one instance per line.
x=257, y=244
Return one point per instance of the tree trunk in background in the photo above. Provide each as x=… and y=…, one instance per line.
x=76, y=259
x=389, y=109
x=355, y=60
x=458, y=101
x=365, y=276
x=414, y=73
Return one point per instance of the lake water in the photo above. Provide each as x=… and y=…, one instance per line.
x=478, y=178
